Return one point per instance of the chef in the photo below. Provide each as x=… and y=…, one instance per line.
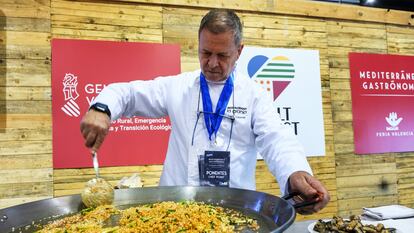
x=220, y=120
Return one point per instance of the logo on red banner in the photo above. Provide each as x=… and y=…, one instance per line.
x=80, y=71
x=70, y=83
x=382, y=102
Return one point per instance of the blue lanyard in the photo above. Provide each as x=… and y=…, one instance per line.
x=213, y=119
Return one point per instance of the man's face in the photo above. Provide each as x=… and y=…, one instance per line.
x=217, y=54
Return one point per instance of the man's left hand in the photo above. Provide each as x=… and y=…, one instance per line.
x=310, y=189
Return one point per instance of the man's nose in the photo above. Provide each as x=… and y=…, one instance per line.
x=213, y=61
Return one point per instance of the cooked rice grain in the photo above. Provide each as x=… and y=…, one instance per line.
x=158, y=217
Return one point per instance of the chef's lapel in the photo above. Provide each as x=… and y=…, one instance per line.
x=195, y=147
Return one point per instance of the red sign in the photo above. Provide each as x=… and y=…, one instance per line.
x=80, y=70
x=382, y=102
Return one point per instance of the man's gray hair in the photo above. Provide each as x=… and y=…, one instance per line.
x=222, y=20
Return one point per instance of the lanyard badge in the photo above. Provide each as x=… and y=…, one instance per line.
x=214, y=166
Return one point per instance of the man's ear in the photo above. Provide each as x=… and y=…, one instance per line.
x=239, y=50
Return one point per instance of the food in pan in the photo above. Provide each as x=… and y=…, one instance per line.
x=88, y=220
x=168, y=216
x=354, y=224
x=97, y=192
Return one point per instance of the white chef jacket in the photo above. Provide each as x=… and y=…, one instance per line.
x=256, y=128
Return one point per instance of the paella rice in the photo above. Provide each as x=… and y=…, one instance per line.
x=168, y=216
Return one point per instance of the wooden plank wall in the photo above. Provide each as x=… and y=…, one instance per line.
x=27, y=26
x=400, y=41
x=25, y=102
x=358, y=177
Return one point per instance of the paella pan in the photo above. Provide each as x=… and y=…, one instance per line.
x=273, y=214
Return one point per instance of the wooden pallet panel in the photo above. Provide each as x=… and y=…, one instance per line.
x=354, y=181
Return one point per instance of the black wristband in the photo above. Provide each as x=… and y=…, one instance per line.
x=100, y=107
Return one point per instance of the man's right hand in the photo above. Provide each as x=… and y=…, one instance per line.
x=94, y=127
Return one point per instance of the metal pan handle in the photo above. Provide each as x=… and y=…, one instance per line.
x=300, y=204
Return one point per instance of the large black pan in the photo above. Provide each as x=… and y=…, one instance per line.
x=274, y=214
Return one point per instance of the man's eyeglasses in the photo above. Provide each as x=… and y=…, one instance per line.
x=229, y=117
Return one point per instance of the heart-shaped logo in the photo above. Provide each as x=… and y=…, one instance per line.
x=274, y=75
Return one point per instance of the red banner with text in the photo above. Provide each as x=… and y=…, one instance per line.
x=382, y=89
x=80, y=70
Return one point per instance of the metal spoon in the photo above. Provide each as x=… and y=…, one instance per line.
x=95, y=163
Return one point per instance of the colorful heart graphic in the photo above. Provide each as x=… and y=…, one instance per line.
x=273, y=74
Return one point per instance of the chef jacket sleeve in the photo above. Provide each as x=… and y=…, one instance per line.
x=137, y=98
x=276, y=142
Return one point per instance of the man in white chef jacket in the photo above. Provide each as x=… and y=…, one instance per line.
x=220, y=120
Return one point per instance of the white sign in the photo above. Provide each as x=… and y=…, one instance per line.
x=292, y=79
